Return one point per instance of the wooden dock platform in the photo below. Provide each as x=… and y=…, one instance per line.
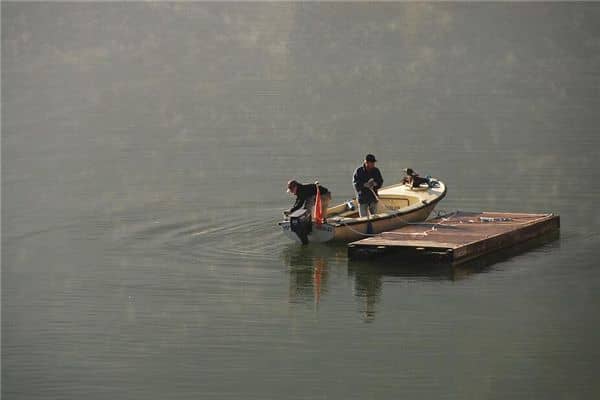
x=457, y=237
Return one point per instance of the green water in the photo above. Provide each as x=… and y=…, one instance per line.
x=145, y=150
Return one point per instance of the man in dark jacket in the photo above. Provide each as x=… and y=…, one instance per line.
x=367, y=180
x=305, y=197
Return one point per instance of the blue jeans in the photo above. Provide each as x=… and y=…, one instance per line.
x=365, y=209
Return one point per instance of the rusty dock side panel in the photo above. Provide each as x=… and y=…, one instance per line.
x=457, y=237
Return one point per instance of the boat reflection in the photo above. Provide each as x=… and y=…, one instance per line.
x=309, y=270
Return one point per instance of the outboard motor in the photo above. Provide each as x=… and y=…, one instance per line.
x=301, y=224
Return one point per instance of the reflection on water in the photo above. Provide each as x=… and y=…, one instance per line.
x=367, y=288
x=309, y=282
x=368, y=275
x=310, y=268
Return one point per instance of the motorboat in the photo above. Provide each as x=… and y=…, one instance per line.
x=398, y=205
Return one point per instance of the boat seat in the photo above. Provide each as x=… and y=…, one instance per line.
x=348, y=214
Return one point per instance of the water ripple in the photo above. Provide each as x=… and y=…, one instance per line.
x=232, y=237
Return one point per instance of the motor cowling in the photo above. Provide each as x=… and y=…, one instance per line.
x=301, y=224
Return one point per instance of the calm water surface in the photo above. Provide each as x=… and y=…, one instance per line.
x=145, y=149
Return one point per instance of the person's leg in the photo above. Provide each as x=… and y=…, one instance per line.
x=363, y=210
x=325, y=204
x=373, y=208
x=310, y=204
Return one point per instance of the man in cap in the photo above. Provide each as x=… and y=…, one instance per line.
x=305, y=197
x=367, y=180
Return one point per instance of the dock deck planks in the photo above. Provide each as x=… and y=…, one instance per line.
x=458, y=237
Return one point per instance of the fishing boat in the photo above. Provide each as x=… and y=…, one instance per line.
x=398, y=205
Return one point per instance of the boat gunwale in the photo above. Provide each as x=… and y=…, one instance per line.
x=392, y=215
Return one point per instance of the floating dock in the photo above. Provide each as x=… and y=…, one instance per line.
x=456, y=238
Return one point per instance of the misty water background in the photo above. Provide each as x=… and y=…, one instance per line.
x=145, y=149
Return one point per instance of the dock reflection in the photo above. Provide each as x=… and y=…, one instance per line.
x=369, y=275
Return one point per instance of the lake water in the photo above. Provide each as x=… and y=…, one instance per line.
x=145, y=149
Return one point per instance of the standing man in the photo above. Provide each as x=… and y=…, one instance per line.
x=367, y=180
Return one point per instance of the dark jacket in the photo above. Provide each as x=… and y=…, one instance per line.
x=305, y=192
x=414, y=179
x=362, y=176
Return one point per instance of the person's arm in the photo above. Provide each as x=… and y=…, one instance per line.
x=378, y=180
x=357, y=181
x=299, y=203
